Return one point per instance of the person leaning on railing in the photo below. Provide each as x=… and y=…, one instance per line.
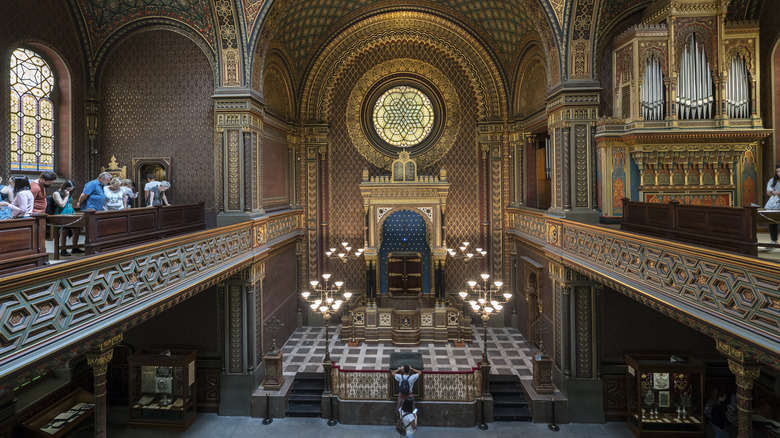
x=157, y=194
x=64, y=201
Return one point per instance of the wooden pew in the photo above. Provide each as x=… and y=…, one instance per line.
x=108, y=230
x=22, y=244
x=726, y=228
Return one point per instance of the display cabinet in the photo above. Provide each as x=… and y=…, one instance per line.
x=60, y=418
x=162, y=389
x=664, y=395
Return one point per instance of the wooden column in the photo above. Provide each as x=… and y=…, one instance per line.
x=98, y=360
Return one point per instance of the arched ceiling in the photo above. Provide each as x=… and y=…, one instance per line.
x=503, y=24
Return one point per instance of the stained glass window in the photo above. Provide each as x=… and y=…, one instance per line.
x=32, y=112
x=403, y=116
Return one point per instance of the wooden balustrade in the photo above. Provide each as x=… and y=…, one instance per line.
x=22, y=244
x=106, y=230
x=726, y=228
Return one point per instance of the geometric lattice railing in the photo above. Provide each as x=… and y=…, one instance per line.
x=52, y=313
x=727, y=296
x=457, y=386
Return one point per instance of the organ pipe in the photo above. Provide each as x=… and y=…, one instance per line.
x=738, y=89
x=694, y=87
x=652, y=92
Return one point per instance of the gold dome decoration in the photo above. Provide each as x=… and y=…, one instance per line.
x=449, y=97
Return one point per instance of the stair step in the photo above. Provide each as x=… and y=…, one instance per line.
x=504, y=378
x=308, y=387
x=305, y=398
x=511, y=414
x=514, y=399
x=303, y=410
x=309, y=376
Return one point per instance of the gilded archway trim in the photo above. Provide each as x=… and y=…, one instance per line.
x=418, y=27
x=426, y=219
x=392, y=67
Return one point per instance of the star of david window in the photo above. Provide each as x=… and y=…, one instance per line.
x=402, y=114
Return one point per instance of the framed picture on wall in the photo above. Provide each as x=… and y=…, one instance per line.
x=663, y=399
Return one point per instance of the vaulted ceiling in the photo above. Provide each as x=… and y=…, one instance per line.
x=304, y=25
x=501, y=24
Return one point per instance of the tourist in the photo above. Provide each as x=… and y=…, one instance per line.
x=150, y=183
x=93, y=193
x=405, y=379
x=773, y=191
x=64, y=199
x=22, y=205
x=718, y=415
x=130, y=193
x=157, y=194
x=409, y=417
x=38, y=189
x=115, y=196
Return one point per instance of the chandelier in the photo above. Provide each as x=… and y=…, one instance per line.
x=485, y=300
x=344, y=253
x=326, y=300
x=466, y=253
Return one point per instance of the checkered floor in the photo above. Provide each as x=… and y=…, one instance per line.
x=508, y=351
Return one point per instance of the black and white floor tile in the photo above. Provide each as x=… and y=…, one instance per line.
x=508, y=351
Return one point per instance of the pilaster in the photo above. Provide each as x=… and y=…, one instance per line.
x=315, y=143
x=239, y=129
x=492, y=139
x=242, y=295
x=572, y=114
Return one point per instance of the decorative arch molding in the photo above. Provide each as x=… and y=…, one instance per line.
x=151, y=24
x=483, y=74
x=280, y=98
x=526, y=72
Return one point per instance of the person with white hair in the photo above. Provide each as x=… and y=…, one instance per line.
x=93, y=193
x=157, y=194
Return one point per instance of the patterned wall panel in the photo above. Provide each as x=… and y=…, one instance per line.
x=156, y=92
x=280, y=294
x=346, y=222
x=49, y=22
x=275, y=167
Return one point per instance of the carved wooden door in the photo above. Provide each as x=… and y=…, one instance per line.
x=404, y=274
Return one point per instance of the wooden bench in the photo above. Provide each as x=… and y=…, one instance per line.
x=22, y=244
x=108, y=230
x=726, y=228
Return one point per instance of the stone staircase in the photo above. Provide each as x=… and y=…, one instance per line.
x=306, y=395
x=509, y=402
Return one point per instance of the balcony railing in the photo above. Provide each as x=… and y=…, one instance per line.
x=51, y=314
x=727, y=296
x=449, y=386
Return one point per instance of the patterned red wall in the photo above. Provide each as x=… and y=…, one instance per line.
x=346, y=217
x=275, y=171
x=155, y=92
x=50, y=23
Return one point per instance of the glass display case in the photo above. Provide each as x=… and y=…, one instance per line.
x=162, y=389
x=664, y=395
